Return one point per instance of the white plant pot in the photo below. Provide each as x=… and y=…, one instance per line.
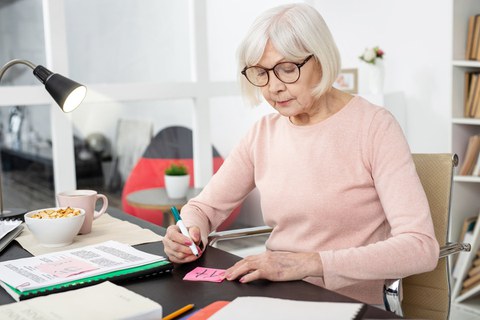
x=177, y=186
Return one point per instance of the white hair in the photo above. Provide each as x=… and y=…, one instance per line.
x=296, y=31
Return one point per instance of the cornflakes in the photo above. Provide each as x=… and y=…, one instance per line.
x=54, y=214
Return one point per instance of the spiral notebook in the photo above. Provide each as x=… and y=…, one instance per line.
x=259, y=308
x=76, y=268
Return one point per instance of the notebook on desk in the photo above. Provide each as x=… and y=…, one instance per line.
x=71, y=269
x=259, y=308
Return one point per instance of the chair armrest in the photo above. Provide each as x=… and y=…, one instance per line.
x=392, y=296
x=452, y=248
x=238, y=233
x=392, y=288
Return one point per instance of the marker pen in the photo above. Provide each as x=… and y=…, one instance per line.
x=183, y=229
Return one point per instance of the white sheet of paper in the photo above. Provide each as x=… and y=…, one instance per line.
x=260, y=308
x=8, y=225
x=103, y=301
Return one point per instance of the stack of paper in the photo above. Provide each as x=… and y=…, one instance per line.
x=71, y=269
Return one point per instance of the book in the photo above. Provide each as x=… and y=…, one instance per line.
x=466, y=94
x=466, y=287
x=102, y=301
x=471, y=155
x=468, y=226
x=475, y=108
x=76, y=268
x=206, y=312
x=476, y=167
x=475, y=270
x=470, y=29
x=472, y=86
x=476, y=262
x=475, y=39
x=254, y=308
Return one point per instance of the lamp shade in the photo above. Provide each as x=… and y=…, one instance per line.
x=67, y=93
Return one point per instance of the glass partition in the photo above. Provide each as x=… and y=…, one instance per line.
x=128, y=41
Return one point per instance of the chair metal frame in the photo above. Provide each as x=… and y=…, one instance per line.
x=393, y=288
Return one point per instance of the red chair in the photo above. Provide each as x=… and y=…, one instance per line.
x=171, y=144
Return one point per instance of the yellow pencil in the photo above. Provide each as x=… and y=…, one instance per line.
x=180, y=311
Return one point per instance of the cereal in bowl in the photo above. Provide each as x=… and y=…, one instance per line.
x=54, y=214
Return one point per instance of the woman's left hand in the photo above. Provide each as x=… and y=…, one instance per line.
x=276, y=266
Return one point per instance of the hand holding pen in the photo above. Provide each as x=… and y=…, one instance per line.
x=184, y=230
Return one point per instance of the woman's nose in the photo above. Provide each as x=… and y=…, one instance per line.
x=275, y=85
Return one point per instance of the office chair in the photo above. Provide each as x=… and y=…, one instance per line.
x=426, y=295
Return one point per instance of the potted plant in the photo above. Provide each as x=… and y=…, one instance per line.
x=177, y=180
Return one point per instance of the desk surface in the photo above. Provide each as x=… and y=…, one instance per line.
x=173, y=293
x=157, y=199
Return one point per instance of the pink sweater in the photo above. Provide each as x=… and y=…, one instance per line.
x=346, y=188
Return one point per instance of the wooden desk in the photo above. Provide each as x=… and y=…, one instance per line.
x=173, y=293
x=157, y=199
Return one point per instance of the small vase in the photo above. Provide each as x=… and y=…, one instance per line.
x=177, y=186
x=376, y=76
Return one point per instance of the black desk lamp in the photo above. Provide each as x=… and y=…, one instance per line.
x=67, y=93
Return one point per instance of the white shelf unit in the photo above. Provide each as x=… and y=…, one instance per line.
x=466, y=190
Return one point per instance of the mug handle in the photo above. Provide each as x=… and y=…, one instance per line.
x=104, y=207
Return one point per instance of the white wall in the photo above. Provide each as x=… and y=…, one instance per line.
x=416, y=36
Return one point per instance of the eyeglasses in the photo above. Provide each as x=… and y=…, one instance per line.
x=287, y=72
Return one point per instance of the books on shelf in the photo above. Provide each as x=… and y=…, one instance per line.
x=472, y=51
x=466, y=235
x=75, y=268
x=101, y=301
x=472, y=95
x=467, y=267
x=471, y=160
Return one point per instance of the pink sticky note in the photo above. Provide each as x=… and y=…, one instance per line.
x=205, y=274
x=66, y=267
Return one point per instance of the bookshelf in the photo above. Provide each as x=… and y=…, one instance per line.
x=466, y=190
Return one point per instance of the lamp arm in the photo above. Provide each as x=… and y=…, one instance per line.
x=14, y=62
x=67, y=93
x=2, y=71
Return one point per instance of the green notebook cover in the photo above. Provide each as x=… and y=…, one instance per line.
x=151, y=269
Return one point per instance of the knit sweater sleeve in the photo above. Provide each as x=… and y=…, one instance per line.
x=411, y=246
x=228, y=187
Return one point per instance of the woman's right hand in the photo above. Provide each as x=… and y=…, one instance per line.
x=177, y=246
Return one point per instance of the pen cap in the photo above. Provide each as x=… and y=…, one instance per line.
x=176, y=214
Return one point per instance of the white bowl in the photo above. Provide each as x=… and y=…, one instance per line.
x=55, y=232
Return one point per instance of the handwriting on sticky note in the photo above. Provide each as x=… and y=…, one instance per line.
x=66, y=267
x=205, y=274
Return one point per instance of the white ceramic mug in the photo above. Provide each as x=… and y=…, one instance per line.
x=85, y=199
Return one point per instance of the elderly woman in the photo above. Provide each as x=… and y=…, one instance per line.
x=334, y=172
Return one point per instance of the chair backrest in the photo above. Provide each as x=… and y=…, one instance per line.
x=427, y=295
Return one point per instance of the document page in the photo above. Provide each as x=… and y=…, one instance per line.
x=59, y=267
x=260, y=308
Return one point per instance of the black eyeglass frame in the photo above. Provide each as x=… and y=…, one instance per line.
x=299, y=66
